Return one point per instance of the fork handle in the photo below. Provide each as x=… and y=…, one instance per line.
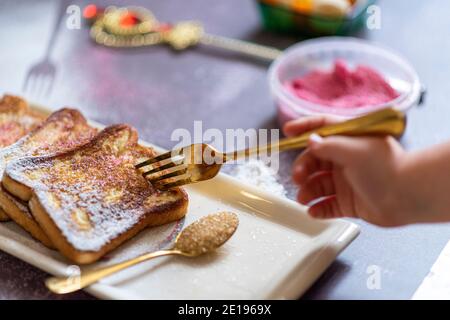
x=384, y=122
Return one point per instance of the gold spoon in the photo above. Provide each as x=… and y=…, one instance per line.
x=200, y=237
x=108, y=31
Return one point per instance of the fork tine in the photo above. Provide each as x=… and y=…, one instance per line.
x=31, y=83
x=48, y=85
x=160, y=168
x=26, y=83
x=39, y=85
x=175, y=173
x=154, y=159
x=166, y=186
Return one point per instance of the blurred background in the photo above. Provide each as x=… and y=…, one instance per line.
x=158, y=89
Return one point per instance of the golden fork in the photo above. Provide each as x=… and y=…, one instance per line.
x=199, y=162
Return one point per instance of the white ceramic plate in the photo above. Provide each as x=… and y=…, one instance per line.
x=276, y=253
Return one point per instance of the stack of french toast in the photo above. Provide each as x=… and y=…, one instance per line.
x=74, y=188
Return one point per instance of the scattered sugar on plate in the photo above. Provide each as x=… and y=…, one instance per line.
x=259, y=174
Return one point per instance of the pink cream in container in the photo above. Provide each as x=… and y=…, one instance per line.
x=341, y=76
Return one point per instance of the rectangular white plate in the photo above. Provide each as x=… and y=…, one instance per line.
x=276, y=253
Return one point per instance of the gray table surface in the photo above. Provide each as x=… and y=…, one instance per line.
x=158, y=90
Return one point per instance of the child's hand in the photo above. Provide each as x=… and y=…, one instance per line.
x=350, y=176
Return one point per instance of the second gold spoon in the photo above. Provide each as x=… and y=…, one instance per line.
x=200, y=237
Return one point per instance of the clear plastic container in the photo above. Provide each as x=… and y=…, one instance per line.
x=321, y=53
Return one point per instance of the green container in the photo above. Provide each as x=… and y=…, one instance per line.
x=280, y=18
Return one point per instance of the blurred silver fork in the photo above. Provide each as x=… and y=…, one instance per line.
x=199, y=162
x=41, y=76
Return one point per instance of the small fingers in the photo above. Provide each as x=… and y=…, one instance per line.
x=318, y=185
x=326, y=208
x=304, y=124
x=306, y=165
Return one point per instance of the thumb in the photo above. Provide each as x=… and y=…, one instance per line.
x=336, y=149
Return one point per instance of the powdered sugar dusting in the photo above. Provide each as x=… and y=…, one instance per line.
x=156, y=238
x=259, y=174
x=94, y=194
x=63, y=130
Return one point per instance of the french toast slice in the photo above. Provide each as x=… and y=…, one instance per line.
x=16, y=120
x=91, y=199
x=21, y=214
x=63, y=130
